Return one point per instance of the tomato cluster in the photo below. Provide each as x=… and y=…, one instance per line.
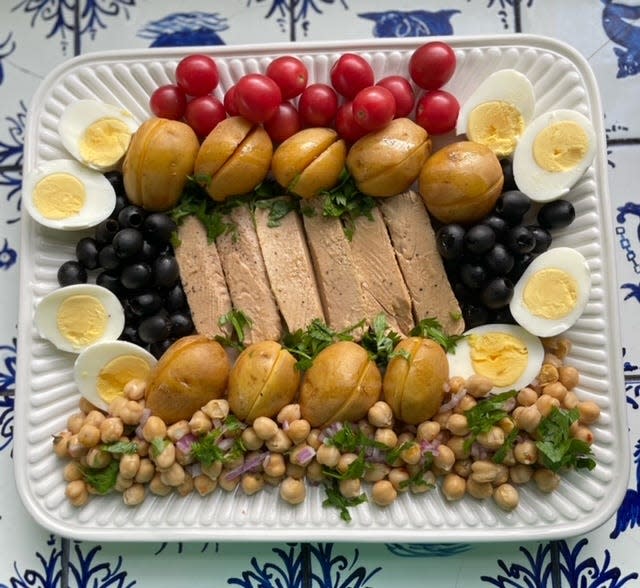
x=283, y=102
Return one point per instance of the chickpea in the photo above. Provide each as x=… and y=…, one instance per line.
x=178, y=430
x=279, y=443
x=555, y=390
x=146, y=471
x=479, y=490
x=252, y=482
x=296, y=471
x=509, y=458
x=314, y=438
x=383, y=493
x=235, y=463
x=154, y=428
x=569, y=376
x=453, y=487
x=345, y=460
x=551, y=359
x=212, y=470
x=466, y=403
x=134, y=495
x=589, y=412
x=328, y=455
x=89, y=435
x=298, y=430
x=387, y=437
x=274, y=465
x=525, y=452
x=315, y=473
x=85, y=406
x=559, y=346
x=546, y=403
x=527, y=396
x=293, y=491
x=164, y=460
x=75, y=448
x=412, y=454
x=158, y=487
x=546, y=480
x=484, y=470
x=458, y=425
x=174, y=476
x=380, y=415
x=301, y=454
x=289, y=413
x=507, y=424
x=427, y=431
x=548, y=374
x=122, y=483
x=205, y=485
x=142, y=447
x=226, y=483
x=94, y=417
x=131, y=413
x=528, y=418
x=582, y=433
x=492, y=439
x=75, y=422
x=442, y=417
x=187, y=485
x=135, y=389
x=97, y=458
x=129, y=465
x=111, y=429
x=350, y=488
x=216, y=409
x=61, y=444
x=423, y=483
x=457, y=447
x=399, y=477
x=520, y=473
x=72, y=471
x=456, y=384
x=377, y=471
x=570, y=400
x=76, y=492
x=479, y=386
x=366, y=428
x=117, y=405
x=250, y=440
x=266, y=428
x=506, y=497
x=200, y=423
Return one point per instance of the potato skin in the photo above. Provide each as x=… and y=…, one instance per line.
x=191, y=372
x=414, y=387
x=262, y=380
x=341, y=385
x=161, y=155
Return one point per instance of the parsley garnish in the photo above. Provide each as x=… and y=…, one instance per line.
x=380, y=341
x=500, y=455
x=486, y=414
x=393, y=454
x=556, y=446
x=337, y=500
x=102, y=479
x=121, y=447
x=206, y=449
x=431, y=328
x=278, y=209
x=239, y=321
x=355, y=470
x=158, y=445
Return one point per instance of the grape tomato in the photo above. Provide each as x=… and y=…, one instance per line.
x=403, y=94
x=431, y=65
x=346, y=124
x=318, y=105
x=168, y=101
x=290, y=74
x=374, y=107
x=257, y=97
x=284, y=123
x=350, y=74
x=230, y=102
x=437, y=112
x=197, y=74
x=204, y=113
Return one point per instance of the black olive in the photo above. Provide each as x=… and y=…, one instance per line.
x=497, y=293
x=502, y=316
x=154, y=328
x=158, y=227
x=472, y=275
x=145, y=303
x=181, y=324
x=497, y=223
x=136, y=275
x=130, y=333
x=71, y=272
x=149, y=251
x=520, y=239
x=108, y=259
x=543, y=238
x=463, y=293
x=521, y=264
x=499, y=260
x=121, y=202
x=127, y=242
x=450, y=241
x=557, y=214
x=512, y=206
x=474, y=315
x=479, y=239
x=507, y=172
x=87, y=252
x=166, y=271
x=110, y=282
x=116, y=180
x=131, y=216
x=105, y=231
x=158, y=348
x=175, y=299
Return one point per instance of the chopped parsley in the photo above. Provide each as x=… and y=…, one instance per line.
x=278, y=209
x=158, y=445
x=380, y=341
x=207, y=449
x=430, y=328
x=239, y=322
x=336, y=500
x=121, y=447
x=102, y=480
x=500, y=455
x=486, y=414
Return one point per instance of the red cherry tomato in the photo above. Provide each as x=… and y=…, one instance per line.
x=437, y=112
x=346, y=124
x=318, y=105
x=350, y=74
x=402, y=93
x=197, y=74
x=257, y=97
x=204, y=113
x=284, y=123
x=168, y=101
x=432, y=65
x=230, y=102
x=290, y=74
x=374, y=108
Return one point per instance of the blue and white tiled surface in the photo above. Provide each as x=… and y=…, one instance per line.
x=37, y=35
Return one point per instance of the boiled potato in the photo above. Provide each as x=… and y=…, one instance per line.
x=414, y=386
x=262, y=380
x=388, y=161
x=191, y=372
x=341, y=385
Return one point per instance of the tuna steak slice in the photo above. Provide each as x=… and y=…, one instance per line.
x=247, y=278
x=414, y=242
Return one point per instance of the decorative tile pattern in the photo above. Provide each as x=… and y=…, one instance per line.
x=36, y=36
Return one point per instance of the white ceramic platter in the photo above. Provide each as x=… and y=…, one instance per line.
x=46, y=395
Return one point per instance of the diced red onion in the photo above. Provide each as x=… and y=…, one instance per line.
x=453, y=401
x=305, y=455
x=509, y=404
x=479, y=452
x=375, y=455
x=431, y=447
x=144, y=417
x=185, y=442
x=329, y=431
x=225, y=443
x=285, y=425
x=248, y=466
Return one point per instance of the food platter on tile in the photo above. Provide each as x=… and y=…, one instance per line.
x=46, y=393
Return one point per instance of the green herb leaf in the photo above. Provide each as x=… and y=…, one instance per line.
x=355, y=470
x=380, y=341
x=394, y=454
x=556, y=445
x=102, y=479
x=278, y=209
x=206, y=449
x=486, y=414
x=500, y=455
x=351, y=439
x=417, y=479
x=239, y=321
x=432, y=329
x=336, y=500
x=121, y=447
x=158, y=445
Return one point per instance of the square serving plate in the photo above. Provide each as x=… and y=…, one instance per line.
x=46, y=394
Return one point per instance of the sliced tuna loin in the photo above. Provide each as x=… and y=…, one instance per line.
x=340, y=292
x=247, y=278
x=414, y=241
x=380, y=278
x=202, y=278
x=288, y=265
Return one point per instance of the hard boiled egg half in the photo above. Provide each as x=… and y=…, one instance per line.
x=95, y=133
x=63, y=194
x=102, y=370
x=552, y=293
x=77, y=316
x=506, y=354
x=553, y=153
x=498, y=111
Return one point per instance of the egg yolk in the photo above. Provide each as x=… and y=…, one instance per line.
x=105, y=142
x=550, y=293
x=59, y=196
x=82, y=319
x=560, y=146
x=113, y=377
x=498, y=356
x=496, y=124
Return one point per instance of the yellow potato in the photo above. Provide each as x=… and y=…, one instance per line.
x=461, y=182
x=191, y=372
x=160, y=157
x=233, y=159
x=388, y=161
x=414, y=386
x=309, y=161
x=341, y=385
x=262, y=380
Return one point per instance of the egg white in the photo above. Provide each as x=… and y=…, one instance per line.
x=538, y=183
x=460, y=363
x=99, y=202
x=80, y=115
x=47, y=311
x=506, y=85
x=563, y=258
x=90, y=362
